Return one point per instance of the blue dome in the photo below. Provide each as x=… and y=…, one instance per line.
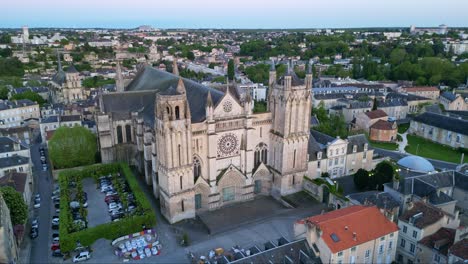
x=416, y=163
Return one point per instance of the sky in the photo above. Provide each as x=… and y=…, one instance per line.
x=233, y=14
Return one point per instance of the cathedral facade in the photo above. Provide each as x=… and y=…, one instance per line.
x=202, y=148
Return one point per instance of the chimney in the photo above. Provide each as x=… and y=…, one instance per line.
x=354, y=236
x=346, y=228
x=396, y=185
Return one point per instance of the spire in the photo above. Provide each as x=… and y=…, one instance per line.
x=175, y=69
x=309, y=68
x=59, y=63
x=209, y=100
x=180, y=86
x=290, y=68
x=119, y=82
x=272, y=66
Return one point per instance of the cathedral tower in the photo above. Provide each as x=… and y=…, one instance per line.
x=290, y=105
x=175, y=159
x=119, y=81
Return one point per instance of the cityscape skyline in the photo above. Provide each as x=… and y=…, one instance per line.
x=260, y=14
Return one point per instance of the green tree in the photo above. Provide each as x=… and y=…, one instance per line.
x=231, y=70
x=29, y=95
x=11, y=67
x=3, y=92
x=361, y=179
x=190, y=56
x=382, y=173
x=15, y=202
x=374, y=104
x=5, y=52
x=72, y=147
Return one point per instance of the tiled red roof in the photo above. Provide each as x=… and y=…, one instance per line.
x=365, y=221
x=460, y=249
x=376, y=114
x=421, y=89
x=383, y=125
x=16, y=180
x=442, y=239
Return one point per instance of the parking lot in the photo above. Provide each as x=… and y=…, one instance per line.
x=97, y=208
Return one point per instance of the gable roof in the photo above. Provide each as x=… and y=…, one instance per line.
x=421, y=89
x=460, y=249
x=441, y=240
x=383, y=125
x=151, y=79
x=449, y=96
x=430, y=215
x=15, y=180
x=365, y=221
x=445, y=122
x=376, y=114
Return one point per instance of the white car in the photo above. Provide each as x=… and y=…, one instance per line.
x=85, y=255
x=37, y=204
x=114, y=206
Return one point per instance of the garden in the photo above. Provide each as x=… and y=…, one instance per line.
x=135, y=212
x=425, y=148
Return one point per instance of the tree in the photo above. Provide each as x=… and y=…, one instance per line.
x=35, y=97
x=72, y=147
x=15, y=202
x=383, y=173
x=3, y=92
x=190, y=56
x=231, y=71
x=374, y=105
x=361, y=179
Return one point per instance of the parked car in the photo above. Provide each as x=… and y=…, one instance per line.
x=43, y=158
x=55, y=220
x=54, y=247
x=57, y=253
x=37, y=204
x=110, y=198
x=44, y=167
x=113, y=206
x=35, y=223
x=82, y=256
x=33, y=233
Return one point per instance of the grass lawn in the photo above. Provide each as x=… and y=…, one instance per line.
x=403, y=128
x=384, y=145
x=432, y=150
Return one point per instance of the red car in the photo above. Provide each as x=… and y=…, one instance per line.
x=110, y=198
x=55, y=247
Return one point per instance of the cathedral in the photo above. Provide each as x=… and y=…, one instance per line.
x=66, y=85
x=202, y=148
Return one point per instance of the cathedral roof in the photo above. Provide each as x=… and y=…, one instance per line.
x=72, y=69
x=151, y=79
x=121, y=104
x=59, y=77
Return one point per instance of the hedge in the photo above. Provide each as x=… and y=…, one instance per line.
x=112, y=230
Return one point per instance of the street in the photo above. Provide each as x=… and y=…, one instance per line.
x=43, y=185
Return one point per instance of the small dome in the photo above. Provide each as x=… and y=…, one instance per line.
x=416, y=163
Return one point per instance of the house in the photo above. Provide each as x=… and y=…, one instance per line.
x=384, y=131
x=443, y=190
x=424, y=91
x=365, y=120
x=396, y=108
x=442, y=129
x=336, y=156
x=14, y=157
x=13, y=113
x=23, y=134
x=355, y=234
x=419, y=221
x=21, y=182
x=384, y=201
x=453, y=102
x=458, y=253
x=434, y=248
x=8, y=247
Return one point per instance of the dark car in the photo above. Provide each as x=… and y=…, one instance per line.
x=34, y=233
x=57, y=253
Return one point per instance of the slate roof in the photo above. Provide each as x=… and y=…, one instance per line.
x=59, y=78
x=358, y=140
x=151, y=79
x=441, y=121
x=380, y=199
x=461, y=181
x=392, y=103
x=122, y=104
x=72, y=69
x=49, y=119
x=7, y=145
x=365, y=221
x=431, y=214
x=449, y=96
x=295, y=80
x=70, y=118
x=6, y=104
x=13, y=161
x=421, y=89
x=441, y=240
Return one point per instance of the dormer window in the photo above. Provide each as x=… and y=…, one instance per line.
x=354, y=148
x=365, y=147
x=319, y=155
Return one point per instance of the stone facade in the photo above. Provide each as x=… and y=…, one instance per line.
x=8, y=247
x=66, y=86
x=383, y=131
x=202, y=148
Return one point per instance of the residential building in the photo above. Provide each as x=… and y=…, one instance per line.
x=383, y=131
x=23, y=134
x=365, y=120
x=50, y=124
x=423, y=91
x=21, y=182
x=8, y=247
x=339, y=157
x=258, y=91
x=201, y=148
x=395, y=108
x=434, y=248
x=356, y=234
x=453, y=102
x=440, y=30
x=384, y=201
x=458, y=253
x=441, y=129
x=14, y=113
x=419, y=221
